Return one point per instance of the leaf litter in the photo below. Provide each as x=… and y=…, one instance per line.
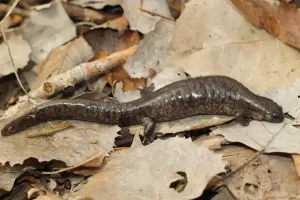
x=200, y=42
x=147, y=172
x=48, y=24
x=19, y=55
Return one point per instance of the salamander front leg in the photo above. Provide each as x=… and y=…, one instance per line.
x=244, y=121
x=149, y=128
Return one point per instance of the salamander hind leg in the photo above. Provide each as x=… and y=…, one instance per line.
x=149, y=128
x=243, y=120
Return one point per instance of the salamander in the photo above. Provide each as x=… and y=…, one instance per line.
x=206, y=95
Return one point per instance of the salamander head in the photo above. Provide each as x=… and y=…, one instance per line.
x=267, y=110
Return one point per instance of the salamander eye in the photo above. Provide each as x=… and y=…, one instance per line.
x=277, y=117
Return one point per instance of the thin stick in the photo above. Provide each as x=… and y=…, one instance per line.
x=152, y=13
x=12, y=61
x=10, y=10
x=7, y=45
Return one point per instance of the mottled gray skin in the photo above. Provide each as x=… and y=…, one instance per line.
x=209, y=95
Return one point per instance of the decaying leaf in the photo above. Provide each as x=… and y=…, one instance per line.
x=152, y=52
x=120, y=24
x=279, y=18
x=20, y=51
x=147, y=172
x=225, y=43
x=70, y=145
x=110, y=41
x=268, y=177
x=62, y=59
x=47, y=29
x=212, y=142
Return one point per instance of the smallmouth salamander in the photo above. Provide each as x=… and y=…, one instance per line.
x=207, y=95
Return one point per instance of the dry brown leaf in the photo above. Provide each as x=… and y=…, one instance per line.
x=70, y=145
x=99, y=55
x=94, y=161
x=296, y=159
x=146, y=172
x=151, y=52
x=47, y=29
x=277, y=17
x=225, y=43
x=20, y=51
x=110, y=41
x=120, y=24
x=62, y=59
x=120, y=74
x=268, y=177
x=212, y=142
x=113, y=42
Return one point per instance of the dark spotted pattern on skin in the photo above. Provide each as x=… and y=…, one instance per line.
x=208, y=95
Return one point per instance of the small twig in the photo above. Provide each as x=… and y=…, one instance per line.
x=152, y=13
x=86, y=23
x=9, y=11
x=7, y=45
x=113, y=89
x=12, y=61
x=81, y=72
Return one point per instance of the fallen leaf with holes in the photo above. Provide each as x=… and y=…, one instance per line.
x=267, y=177
x=19, y=50
x=142, y=21
x=278, y=17
x=47, y=29
x=146, y=172
x=209, y=43
x=62, y=59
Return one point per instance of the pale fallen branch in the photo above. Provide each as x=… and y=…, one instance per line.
x=80, y=73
